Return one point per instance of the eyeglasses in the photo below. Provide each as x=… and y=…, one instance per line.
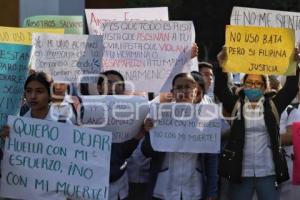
x=255, y=84
x=184, y=87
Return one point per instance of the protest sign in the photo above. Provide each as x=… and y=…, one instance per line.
x=14, y=60
x=296, y=148
x=191, y=128
x=50, y=160
x=148, y=53
x=96, y=17
x=71, y=24
x=268, y=18
x=23, y=35
x=67, y=57
x=260, y=50
x=121, y=115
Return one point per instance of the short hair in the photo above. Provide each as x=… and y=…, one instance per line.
x=42, y=78
x=199, y=79
x=111, y=72
x=202, y=65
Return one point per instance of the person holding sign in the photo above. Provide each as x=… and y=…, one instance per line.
x=253, y=160
x=287, y=119
x=177, y=175
x=38, y=97
x=112, y=83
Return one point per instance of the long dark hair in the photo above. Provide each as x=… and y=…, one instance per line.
x=42, y=78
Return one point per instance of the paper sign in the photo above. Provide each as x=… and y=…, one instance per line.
x=71, y=24
x=22, y=35
x=67, y=57
x=190, y=128
x=148, y=53
x=121, y=115
x=50, y=160
x=267, y=18
x=14, y=60
x=96, y=17
x=296, y=147
x=260, y=50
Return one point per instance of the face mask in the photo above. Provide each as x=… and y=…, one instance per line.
x=253, y=94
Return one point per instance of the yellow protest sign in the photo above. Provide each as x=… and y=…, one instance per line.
x=260, y=50
x=22, y=35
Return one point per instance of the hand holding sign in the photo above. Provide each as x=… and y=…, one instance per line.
x=148, y=124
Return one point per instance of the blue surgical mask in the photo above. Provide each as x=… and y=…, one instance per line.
x=253, y=94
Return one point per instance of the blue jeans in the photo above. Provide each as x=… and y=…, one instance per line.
x=263, y=186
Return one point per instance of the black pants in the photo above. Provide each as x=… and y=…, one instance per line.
x=137, y=191
x=153, y=198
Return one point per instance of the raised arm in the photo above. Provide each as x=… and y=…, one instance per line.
x=287, y=93
x=221, y=88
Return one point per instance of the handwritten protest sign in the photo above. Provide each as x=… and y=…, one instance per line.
x=96, y=17
x=185, y=128
x=51, y=160
x=22, y=35
x=121, y=115
x=148, y=53
x=260, y=50
x=67, y=57
x=14, y=60
x=267, y=18
x=71, y=24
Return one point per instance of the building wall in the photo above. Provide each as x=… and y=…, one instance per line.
x=9, y=13
x=105, y=4
x=50, y=7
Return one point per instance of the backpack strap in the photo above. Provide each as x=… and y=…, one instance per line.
x=274, y=111
x=235, y=110
x=291, y=107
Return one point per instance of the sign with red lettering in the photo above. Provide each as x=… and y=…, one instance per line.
x=148, y=53
x=96, y=17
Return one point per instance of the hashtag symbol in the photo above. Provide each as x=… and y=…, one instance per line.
x=236, y=17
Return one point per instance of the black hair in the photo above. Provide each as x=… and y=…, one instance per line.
x=265, y=79
x=204, y=65
x=84, y=88
x=68, y=87
x=42, y=78
x=111, y=72
x=199, y=79
x=182, y=75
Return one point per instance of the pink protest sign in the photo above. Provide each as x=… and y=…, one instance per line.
x=296, y=144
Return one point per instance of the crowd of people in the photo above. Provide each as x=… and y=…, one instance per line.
x=256, y=154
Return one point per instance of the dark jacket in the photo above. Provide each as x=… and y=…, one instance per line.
x=119, y=153
x=209, y=164
x=237, y=136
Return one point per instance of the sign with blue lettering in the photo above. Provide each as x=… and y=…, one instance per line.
x=183, y=127
x=68, y=57
x=120, y=114
x=14, y=60
x=51, y=160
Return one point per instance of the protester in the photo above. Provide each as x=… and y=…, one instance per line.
x=178, y=175
x=253, y=159
x=112, y=83
x=288, y=117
